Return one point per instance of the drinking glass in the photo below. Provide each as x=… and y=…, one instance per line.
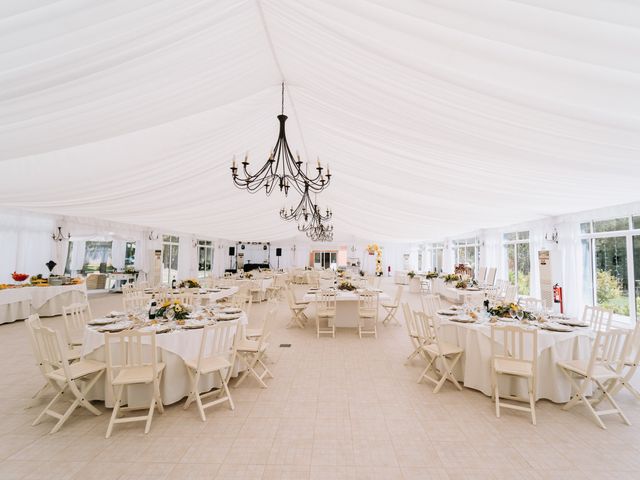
x=520, y=314
x=512, y=312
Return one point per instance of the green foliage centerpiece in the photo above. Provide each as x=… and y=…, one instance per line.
x=174, y=310
x=346, y=286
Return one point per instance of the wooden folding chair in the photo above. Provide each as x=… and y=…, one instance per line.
x=602, y=370
x=368, y=311
x=297, y=310
x=514, y=352
x=131, y=369
x=216, y=355
x=326, y=310
x=75, y=317
x=252, y=353
x=410, y=323
x=436, y=352
x=627, y=368
x=64, y=377
x=599, y=319
x=392, y=307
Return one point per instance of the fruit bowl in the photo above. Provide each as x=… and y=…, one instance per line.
x=19, y=277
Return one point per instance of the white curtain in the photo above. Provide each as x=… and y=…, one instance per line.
x=118, y=252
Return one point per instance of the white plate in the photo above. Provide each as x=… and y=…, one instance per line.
x=101, y=321
x=192, y=324
x=473, y=289
x=155, y=328
x=446, y=312
x=572, y=322
x=115, y=327
x=463, y=319
x=228, y=316
x=231, y=310
x=556, y=327
x=115, y=314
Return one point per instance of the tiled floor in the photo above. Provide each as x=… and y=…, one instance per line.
x=337, y=408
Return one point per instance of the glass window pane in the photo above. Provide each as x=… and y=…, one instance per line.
x=524, y=268
x=510, y=236
x=585, y=227
x=523, y=235
x=97, y=257
x=612, y=287
x=636, y=269
x=636, y=221
x=613, y=225
x=511, y=263
x=587, y=273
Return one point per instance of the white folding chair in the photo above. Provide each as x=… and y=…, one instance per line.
x=510, y=293
x=531, y=304
x=627, y=368
x=514, y=352
x=78, y=378
x=436, y=351
x=480, y=275
x=410, y=323
x=135, y=301
x=431, y=304
x=599, y=319
x=251, y=353
x=133, y=367
x=600, y=369
x=392, y=307
x=244, y=302
x=216, y=355
x=297, y=310
x=326, y=311
x=491, y=276
x=75, y=317
x=368, y=311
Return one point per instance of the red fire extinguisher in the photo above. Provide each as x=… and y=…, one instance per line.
x=557, y=296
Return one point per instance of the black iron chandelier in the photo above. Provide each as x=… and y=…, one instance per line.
x=282, y=169
x=317, y=230
x=305, y=212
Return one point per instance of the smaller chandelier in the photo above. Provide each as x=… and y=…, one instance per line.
x=282, y=169
x=305, y=212
x=59, y=237
x=318, y=231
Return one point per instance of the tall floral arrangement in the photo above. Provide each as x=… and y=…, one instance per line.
x=374, y=249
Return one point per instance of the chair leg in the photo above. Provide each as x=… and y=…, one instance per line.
x=613, y=403
x=152, y=408
x=116, y=409
x=496, y=394
x=532, y=400
x=226, y=390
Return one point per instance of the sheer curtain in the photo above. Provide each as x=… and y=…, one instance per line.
x=25, y=244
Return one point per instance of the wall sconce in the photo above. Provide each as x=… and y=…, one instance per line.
x=293, y=249
x=552, y=237
x=194, y=243
x=59, y=237
x=152, y=236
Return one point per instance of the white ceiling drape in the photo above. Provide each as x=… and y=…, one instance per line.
x=437, y=117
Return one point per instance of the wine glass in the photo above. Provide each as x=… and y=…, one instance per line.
x=513, y=313
x=520, y=314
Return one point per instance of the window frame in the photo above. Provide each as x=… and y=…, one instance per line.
x=520, y=237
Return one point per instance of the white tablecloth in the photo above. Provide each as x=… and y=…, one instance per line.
x=175, y=347
x=455, y=295
x=474, y=368
x=346, y=307
x=19, y=303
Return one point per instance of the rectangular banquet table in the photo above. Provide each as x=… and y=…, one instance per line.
x=19, y=303
x=174, y=348
x=474, y=368
x=346, y=307
x=456, y=295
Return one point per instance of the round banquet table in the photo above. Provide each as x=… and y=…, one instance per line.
x=174, y=347
x=474, y=368
x=19, y=303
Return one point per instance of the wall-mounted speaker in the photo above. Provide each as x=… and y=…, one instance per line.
x=242, y=247
x=278, y=252
x=232, y=251
x=264, y=247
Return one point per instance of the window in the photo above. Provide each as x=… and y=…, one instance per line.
x=518, y=260
x=436, y=252
x=325, y=260
x=170, y=249
x=129, y=254
x=205, y=258
x=67, y=266
x=467, y=252
x=97, y=257
x=611, y=264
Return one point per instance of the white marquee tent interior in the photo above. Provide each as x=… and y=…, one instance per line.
x=448, y=125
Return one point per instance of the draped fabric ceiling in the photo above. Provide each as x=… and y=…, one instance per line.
x=437, y=117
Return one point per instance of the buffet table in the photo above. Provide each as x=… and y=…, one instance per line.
x=474, y=368
x=174, y=348
x=346, y=307
x=47, y=301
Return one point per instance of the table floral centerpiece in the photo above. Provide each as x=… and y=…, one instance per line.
x=346, y=286
x=503, y=310
x=451, y=277
x=174, y=310
x=189, y=283
x=431, y=275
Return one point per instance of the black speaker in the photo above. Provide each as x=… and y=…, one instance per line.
x=278, y=252
x=264, y=247
x=232, y=251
